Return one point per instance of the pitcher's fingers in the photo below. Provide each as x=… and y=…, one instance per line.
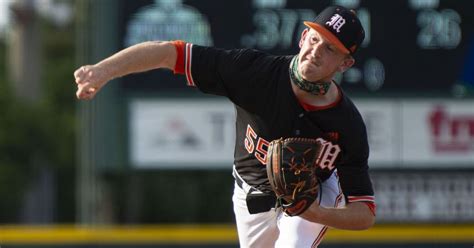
x=90, y=96
x=77, y=72
x=81, y=71
x=92, y=90
x=83, y=74
x=87, y=91
x=79, y=94
x=78, y=79
x=81, y=91
x=84, y=95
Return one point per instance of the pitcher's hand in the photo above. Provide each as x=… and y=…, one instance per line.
x=89, y=79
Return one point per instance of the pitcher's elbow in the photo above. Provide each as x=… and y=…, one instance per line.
x=368, y=223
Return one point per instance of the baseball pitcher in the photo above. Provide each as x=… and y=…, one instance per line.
x=301, y=152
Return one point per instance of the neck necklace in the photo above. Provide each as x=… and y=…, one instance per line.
x=315, y=88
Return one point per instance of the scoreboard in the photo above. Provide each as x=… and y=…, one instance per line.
x=412, y=47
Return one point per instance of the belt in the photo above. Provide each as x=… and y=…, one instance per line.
x=257, y=201
x=242, y=184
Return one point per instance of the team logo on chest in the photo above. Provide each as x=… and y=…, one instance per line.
x=328, y=155
x=336, y=22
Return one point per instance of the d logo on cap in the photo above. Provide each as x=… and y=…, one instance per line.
x=336, y=22
x=341, y=27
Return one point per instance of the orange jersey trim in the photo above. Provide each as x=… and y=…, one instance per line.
x=179, y=66
x=320, y=237
x=362, y=198
x=367, y=199
x=309, y=107
x=183, y=60
x=372, y=207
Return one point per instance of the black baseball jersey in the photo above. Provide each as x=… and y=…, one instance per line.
x=259, y=85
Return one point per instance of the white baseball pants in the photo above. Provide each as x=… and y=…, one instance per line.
x=276, y=229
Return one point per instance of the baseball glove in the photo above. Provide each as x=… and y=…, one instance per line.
x=291, y=168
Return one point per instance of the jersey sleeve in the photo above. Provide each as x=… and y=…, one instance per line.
x=353, y=171
x=242, y=75
x=356, y=184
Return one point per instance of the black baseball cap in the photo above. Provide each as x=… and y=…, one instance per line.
x=341, y=27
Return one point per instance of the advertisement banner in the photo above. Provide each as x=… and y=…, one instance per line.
x=402, y=133
x=183, y=133
x=438, y=132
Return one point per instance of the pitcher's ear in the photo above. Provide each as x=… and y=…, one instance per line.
x=347, y=63
x=303, y=36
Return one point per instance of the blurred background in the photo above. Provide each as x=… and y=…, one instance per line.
x=148, y=162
